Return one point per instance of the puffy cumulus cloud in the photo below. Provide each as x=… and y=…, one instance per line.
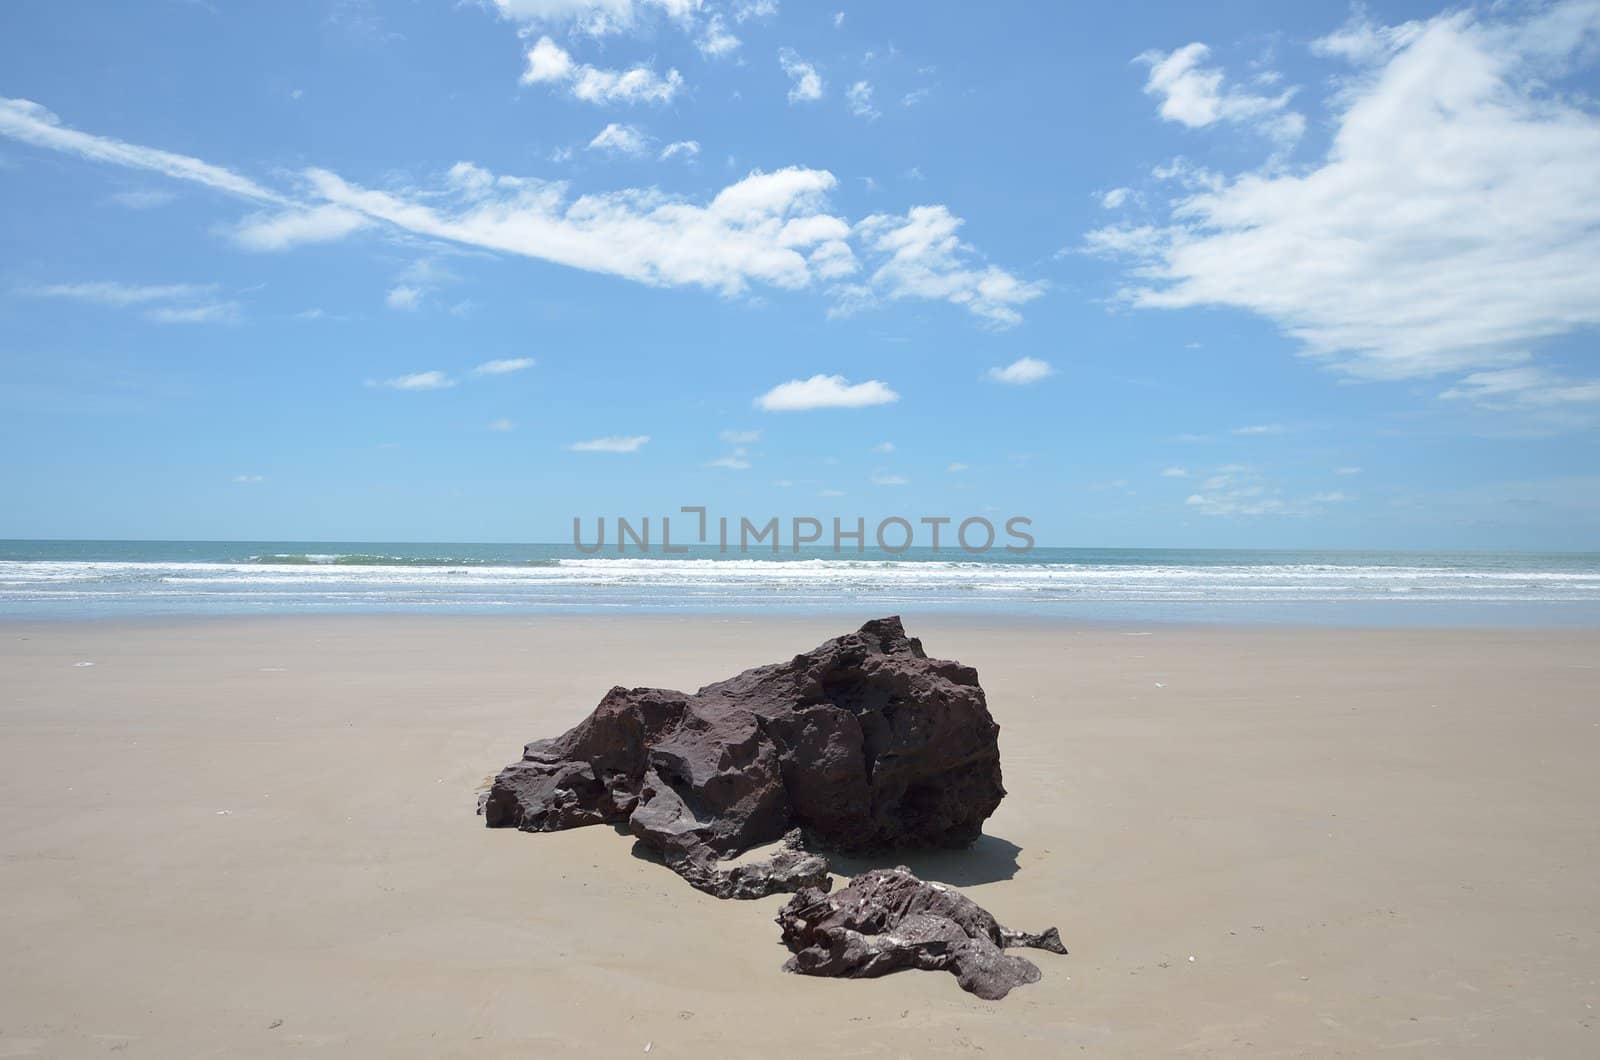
x=715, y=40
x=805, y=82
x=1114, y=198
x=858, y=97
x=825, y=392
x=1451, y=225
x=685, y=149
x=1022, y=371
x=619, y=139
x=403, y=297
x=920, y=256
x=296, y=226
x=1196, y=95
x=551, y=64
x=746, y=10
x=594, y=17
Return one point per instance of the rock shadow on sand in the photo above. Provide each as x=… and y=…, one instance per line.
x=989, y=860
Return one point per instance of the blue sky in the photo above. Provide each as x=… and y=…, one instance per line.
x=1243, y=275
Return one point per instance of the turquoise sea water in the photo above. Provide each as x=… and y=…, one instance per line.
x=66, y=579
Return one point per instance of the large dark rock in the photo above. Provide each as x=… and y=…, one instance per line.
x=861, y=744
x=887, y=920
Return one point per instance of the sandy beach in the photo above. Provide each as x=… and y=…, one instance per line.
x=255, y=837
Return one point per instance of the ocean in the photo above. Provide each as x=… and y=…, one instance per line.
x=108, y=579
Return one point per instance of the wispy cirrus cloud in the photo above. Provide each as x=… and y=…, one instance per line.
x=27, y=121
x=774, y=228
x=429, y=380
x=629, y=443
x=120, y=294
x=504, y=366
x=1239, y=490
x=165, y=303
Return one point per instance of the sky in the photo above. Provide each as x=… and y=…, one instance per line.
x=1165, y=275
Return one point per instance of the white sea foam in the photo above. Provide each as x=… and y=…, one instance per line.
x=325, y=579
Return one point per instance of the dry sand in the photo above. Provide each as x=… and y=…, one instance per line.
x=254, y=837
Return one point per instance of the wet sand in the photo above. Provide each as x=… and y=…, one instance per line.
x=255, y=837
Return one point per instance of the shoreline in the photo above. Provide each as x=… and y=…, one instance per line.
x=969, y=618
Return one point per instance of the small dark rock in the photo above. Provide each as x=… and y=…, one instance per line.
x=887, y=920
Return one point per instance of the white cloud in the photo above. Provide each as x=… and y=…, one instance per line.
x=740, y=437
x=1195, y=96
x=738, y=460
x=1114, y=198
x=956, y=468
x=1347, y=471
x=25, y=120
x=1452, y=224
x=1174, y=472
x=880, y=478
x=859, y=99
x=1261, y=428
x=169, y=303
x=825, y=392
x=614, y=444
x=771, y=228
x=760, y=228
x=549, y=63
x=504, y=367
x=595, y=18
x=687, y=148
x=502, y=424
x=830, y=493
x=1549, y=399
x=432, y=380
x=209, y=313
x=883, y=447
x=1235, y=490
x=120, y=294
x=618, y=138
x=923, y=258
x=715, y=40
x=403, y=297
x=806, y=84
x=248, y=479
x=295, y=226
x=142, y=199
x=838, y=19
x=745, y=10
x=1022, y=371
